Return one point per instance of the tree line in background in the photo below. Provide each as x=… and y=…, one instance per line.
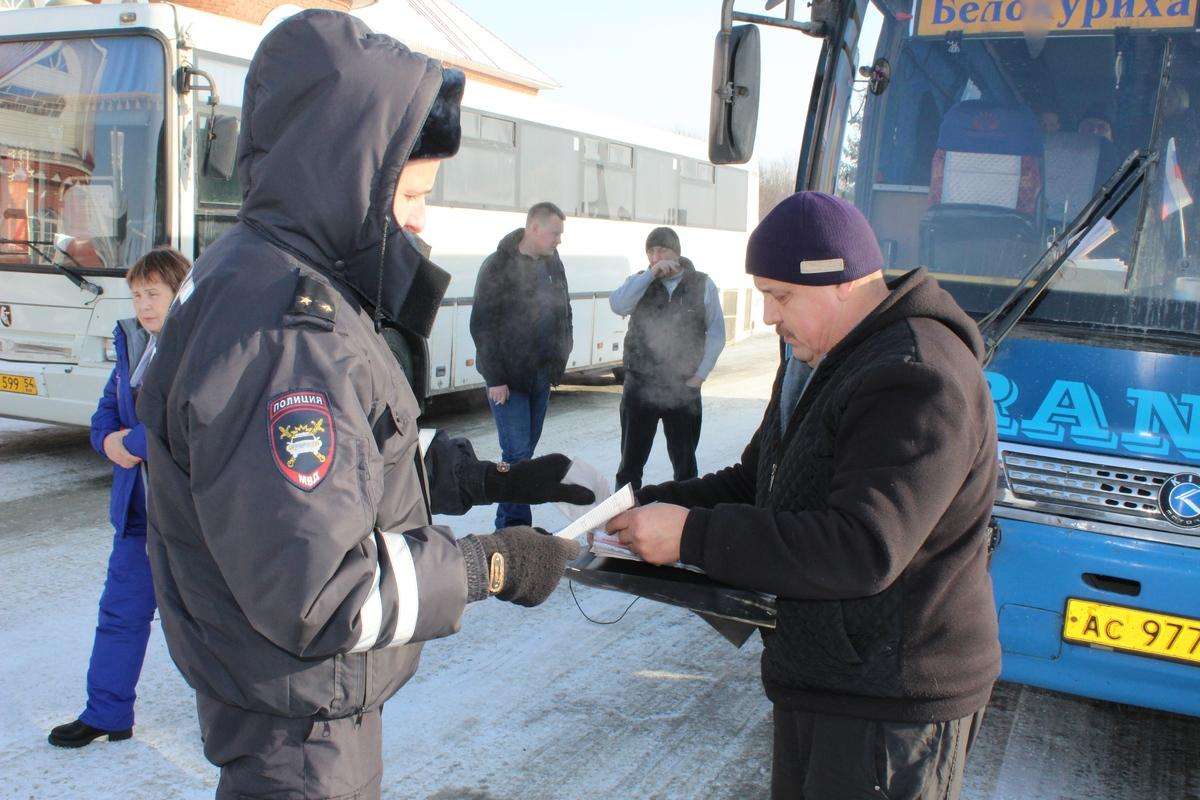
x=776, y=180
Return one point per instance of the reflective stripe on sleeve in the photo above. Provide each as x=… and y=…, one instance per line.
x=404, y=573
x=371, y=617
x=425, y=438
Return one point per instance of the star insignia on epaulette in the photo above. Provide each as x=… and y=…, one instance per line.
x=313, y=302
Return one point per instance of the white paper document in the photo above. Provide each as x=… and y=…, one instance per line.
x=593, y=520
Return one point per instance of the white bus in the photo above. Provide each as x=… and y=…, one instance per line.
x=102, y=149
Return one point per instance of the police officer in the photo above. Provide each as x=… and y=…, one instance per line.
x=295, y=561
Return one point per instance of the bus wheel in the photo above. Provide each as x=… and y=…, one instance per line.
x=619, y=374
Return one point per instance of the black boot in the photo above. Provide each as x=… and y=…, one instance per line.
x=80, y=734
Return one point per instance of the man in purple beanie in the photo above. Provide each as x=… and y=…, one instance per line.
x=862, y=502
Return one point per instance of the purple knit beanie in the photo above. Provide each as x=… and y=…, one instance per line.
x=813, y=239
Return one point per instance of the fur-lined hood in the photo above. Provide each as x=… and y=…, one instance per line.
x=331, y=115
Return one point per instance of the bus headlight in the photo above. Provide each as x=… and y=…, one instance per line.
x=110, y=350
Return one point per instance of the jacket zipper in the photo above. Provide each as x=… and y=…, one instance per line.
x=362, y=707
x=771, y=480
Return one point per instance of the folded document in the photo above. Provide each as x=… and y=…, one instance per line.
x=603, y=543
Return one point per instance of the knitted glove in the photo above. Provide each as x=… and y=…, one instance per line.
x=520, y=564
x=535, y=480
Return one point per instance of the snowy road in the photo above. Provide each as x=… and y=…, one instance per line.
x=521, y=704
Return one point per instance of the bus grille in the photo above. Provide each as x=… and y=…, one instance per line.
x=1108, y=489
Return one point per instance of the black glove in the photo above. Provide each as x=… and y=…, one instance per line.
x=520, y=564
x=536, y=480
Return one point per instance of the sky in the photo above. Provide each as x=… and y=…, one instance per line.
x=651, y=61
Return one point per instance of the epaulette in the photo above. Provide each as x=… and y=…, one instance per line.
x=315, y=303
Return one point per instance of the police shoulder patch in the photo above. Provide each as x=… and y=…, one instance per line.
x=301, y=435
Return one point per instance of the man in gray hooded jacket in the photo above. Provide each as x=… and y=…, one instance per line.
x=295, y=561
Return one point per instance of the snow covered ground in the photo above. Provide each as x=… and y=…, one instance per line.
x=533, y=704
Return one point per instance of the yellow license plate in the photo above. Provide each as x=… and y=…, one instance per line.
x=20, y=384
x=1147, y=633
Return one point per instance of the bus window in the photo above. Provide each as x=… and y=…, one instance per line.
x=217, y=201
x=697, y=194
x=527, y=162
x=212, y=191
x=985, y=146
x=657, y=185
x=549, y=166
x=488, y=148
x=81, y=144
x=500, y=131
x=607, y=180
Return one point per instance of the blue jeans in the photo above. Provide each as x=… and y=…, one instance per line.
x=126, y=609
x=519, y=425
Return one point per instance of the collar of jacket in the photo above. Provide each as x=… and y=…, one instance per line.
x=130, y=336
x=509, y=246
x=912, y=295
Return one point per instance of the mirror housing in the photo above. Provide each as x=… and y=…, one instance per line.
x=878, y=75
x=220, y=151
x=733, y=115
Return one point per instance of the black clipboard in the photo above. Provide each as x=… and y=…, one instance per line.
x=734, y=613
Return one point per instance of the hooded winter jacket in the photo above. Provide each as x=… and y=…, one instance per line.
x=521, y=317
x=295, y=563
x=868, y=519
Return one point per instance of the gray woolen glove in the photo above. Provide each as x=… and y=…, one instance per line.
x=520, y=564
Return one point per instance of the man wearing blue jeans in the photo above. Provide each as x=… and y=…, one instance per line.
x=521, y=325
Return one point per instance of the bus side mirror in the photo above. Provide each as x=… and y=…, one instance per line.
x=220, y=152
x=733, y=115
x=878, y=75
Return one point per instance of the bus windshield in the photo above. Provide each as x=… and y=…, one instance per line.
x=81, y=143
x=988, y=141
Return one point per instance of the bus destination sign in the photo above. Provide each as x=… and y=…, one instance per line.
x=981, y=17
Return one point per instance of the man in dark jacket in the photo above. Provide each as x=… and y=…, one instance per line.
x=862, y=502
x=521, y=325
x=295, y=562
x=676, y=332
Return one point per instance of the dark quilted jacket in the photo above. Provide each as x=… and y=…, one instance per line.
x=868, y=519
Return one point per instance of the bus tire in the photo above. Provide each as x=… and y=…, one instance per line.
x=619, y=375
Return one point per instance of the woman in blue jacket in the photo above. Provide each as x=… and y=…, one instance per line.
x=127, y=604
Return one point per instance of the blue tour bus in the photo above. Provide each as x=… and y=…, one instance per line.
x=1040, y=159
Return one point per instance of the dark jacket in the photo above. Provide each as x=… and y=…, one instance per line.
x=665, y=340
x=115, y=412
x=520, y=317
x=295, y=562
x=868, y=519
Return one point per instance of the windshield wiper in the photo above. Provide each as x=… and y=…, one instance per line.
x=75, y=278
x=1104, y=204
